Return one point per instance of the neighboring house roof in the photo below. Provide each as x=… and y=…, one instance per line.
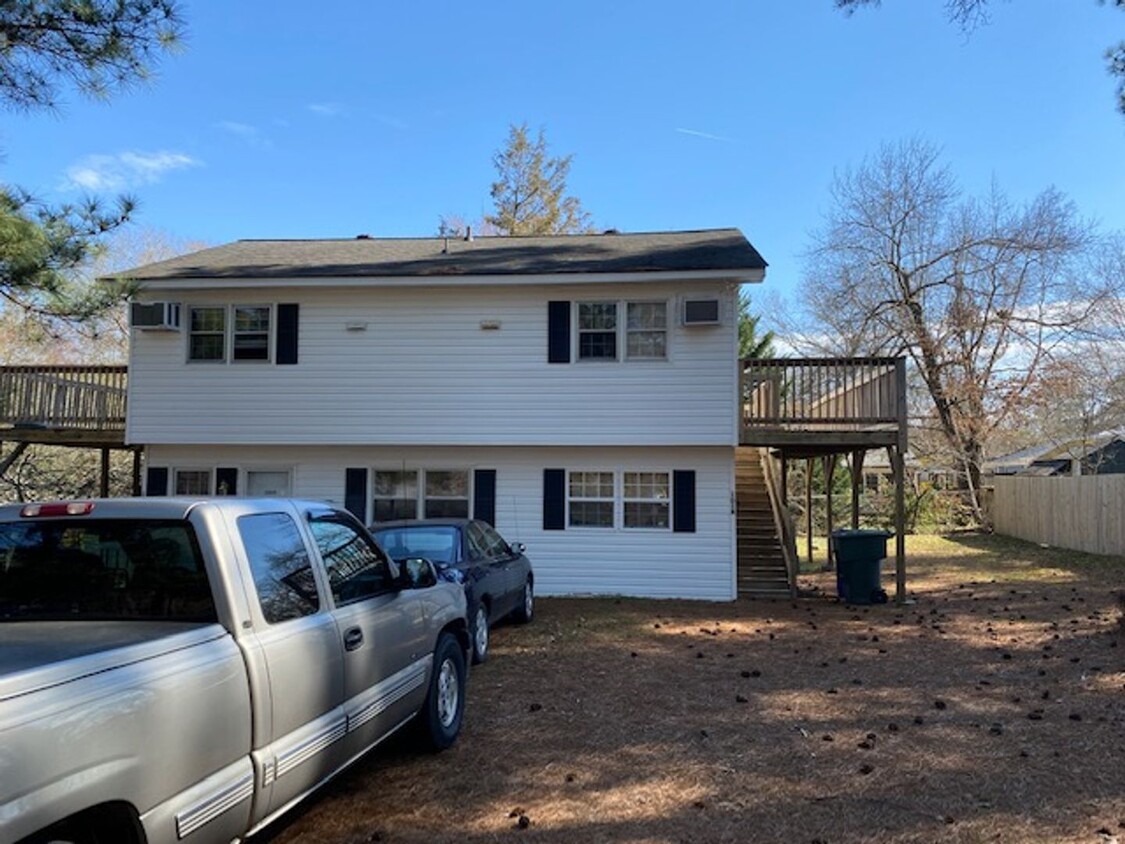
x=1044, y=454
x=724, y=250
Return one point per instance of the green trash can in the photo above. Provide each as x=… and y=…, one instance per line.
x=859, y=558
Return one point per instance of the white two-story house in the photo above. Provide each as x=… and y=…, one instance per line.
x=580, y=392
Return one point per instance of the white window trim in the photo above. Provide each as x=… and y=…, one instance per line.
x=209, y=470
x=228, y=333
x=208, y=306
x=665, y=501
x=271, y=332
x=618, y=525
x=420, y=479
x=244, y=476
x=622, y=329
x=614, y=501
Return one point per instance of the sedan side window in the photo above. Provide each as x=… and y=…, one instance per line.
x=357, y=568
x=478, y=545
x=497, y=547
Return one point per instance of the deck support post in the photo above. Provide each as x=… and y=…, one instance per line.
x=103, y=485
x=857, y=482
x=784, y=480
x=829, y=476
x=136, y=471
x=899, y=464
x=808, y=508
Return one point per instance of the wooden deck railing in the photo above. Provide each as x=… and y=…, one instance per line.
x=822, y=394
x=63, y=397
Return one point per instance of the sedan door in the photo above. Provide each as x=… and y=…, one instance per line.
x=382, y=628
x=492, y=568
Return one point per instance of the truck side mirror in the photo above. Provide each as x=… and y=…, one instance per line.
x=418, y=573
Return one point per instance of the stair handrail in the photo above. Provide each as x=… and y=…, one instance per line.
x=781, y=519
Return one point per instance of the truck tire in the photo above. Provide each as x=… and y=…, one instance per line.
x=439, y=722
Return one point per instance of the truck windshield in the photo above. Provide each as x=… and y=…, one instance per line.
x=102, y=569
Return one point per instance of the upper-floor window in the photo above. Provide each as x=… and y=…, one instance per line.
x=235, y=333
x=597, y=331
x=603, y=335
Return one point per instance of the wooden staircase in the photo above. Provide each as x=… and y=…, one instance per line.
x=762, y=570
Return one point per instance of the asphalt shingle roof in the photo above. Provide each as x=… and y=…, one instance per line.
x=714, y=249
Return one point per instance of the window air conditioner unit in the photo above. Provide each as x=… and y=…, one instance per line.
x=700, y=312
x=155, y=316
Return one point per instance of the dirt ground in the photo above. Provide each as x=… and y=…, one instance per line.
x=989, y=709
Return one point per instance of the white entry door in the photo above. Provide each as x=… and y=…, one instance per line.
x=267, y=484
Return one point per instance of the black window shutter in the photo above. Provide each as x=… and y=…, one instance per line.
x=156, y=481
x=554, y=499
x=558, y=332
x=683, y=502
x=226, y=481
x=355, y=493
x=484, y=495
x=286, y=334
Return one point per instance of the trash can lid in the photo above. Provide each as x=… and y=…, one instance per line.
x=857, y=532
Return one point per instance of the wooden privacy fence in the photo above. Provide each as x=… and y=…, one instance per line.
x=1083, y=514
x=86, y=397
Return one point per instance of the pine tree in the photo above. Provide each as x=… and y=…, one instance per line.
x=530, y=193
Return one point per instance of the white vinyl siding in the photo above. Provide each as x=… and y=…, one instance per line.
x=402, y=366
x=606, y=561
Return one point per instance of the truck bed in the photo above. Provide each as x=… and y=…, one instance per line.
x=37, y=654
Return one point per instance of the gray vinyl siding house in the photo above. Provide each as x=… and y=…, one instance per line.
x=581, y=392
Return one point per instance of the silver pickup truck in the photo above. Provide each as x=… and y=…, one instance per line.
x=187, y=670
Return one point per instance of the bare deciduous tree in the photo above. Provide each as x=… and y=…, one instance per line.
x=978, y=293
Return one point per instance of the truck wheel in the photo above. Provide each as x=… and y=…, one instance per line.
x=442, y=713
x=480, y=634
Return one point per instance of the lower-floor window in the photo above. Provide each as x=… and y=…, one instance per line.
x=625, y=499
x=193, y=482
x=416, y=493
x=590, y=499
x=646, y=498
x=267, y=484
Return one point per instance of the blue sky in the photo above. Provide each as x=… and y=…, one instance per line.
x=284, y=119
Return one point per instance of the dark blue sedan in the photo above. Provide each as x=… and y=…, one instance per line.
x=497, y=576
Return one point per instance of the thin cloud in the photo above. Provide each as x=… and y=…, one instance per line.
x=391, y=121
x=695, y=133
x=125, y=170
x=247, y=133
x=326, y=109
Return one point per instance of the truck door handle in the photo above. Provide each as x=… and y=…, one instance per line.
x=353, y=638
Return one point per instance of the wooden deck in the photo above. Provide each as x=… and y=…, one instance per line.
x=63, y=405
x=820, y=408
x=825, y=404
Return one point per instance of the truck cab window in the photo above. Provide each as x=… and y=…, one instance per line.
x=280, y=565
x=357, y=568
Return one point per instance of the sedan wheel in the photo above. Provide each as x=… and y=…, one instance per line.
x=527, y=608
x=480, y=635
